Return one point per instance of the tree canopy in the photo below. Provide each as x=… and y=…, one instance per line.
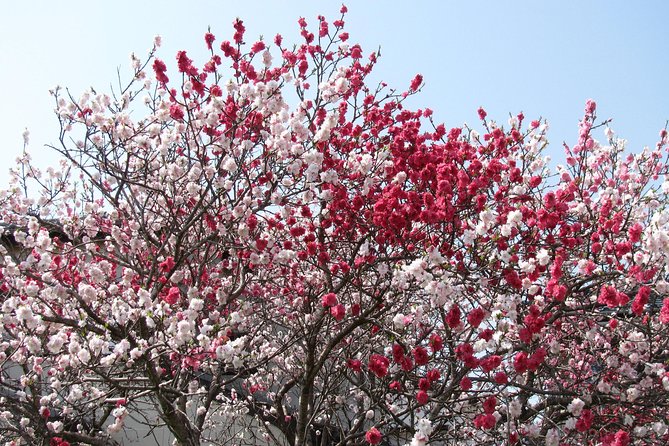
x=271, y=249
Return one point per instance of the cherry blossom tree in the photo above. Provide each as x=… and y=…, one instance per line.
x=270, y=249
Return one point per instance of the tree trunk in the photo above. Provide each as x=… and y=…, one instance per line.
x=303, y=414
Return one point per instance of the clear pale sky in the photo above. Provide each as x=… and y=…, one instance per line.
x=543, y=58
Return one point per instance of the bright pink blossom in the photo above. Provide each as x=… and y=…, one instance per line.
x=416, y=82
x=176, y=112
x=258, y=46
x=664, y=312
x=329, y=300
x=172, y=295
x=209, y=39
x=373, y=436
x=338, y=312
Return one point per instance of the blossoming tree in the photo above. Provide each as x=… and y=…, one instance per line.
x=268, y=249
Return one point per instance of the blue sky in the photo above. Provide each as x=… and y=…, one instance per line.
x=542, y=58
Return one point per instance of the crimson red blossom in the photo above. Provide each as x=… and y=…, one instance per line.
x=160, y=69
x=475, y=317
x=378, y=365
